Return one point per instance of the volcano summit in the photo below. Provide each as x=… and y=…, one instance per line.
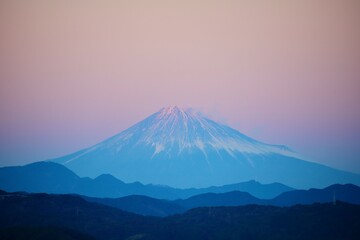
x=182, y=148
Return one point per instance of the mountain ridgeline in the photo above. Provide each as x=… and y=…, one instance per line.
x=43, y=216
x=155, y=207
x=150, y=200
x=184, y=149
x=49, y=177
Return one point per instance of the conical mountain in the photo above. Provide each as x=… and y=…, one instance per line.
x=182, y=148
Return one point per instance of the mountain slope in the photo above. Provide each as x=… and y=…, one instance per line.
x=185, y=149
x=38, y=177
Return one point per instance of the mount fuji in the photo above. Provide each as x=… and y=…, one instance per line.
x=184, y=149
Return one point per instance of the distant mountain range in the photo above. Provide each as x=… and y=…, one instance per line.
x=155, y=207
x=184, y=149
x=43, y=215
x=49, y=177
x=141, y=205
x=142, y=199
x=346, y=193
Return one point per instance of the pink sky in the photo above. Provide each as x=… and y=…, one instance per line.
x=76, y=72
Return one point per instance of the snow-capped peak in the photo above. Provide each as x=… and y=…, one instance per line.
x=171, y=110
x=173, y=131
x=175, y=112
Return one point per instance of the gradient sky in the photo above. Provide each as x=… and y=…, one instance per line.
x=76, y=72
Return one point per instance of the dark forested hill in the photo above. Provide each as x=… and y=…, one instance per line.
x=155, y=207
x=65, y=211
x=316, y=221
x=41, y=233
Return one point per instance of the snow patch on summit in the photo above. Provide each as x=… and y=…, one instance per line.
x=158, y=148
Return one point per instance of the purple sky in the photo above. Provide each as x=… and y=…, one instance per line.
x=76, y=72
